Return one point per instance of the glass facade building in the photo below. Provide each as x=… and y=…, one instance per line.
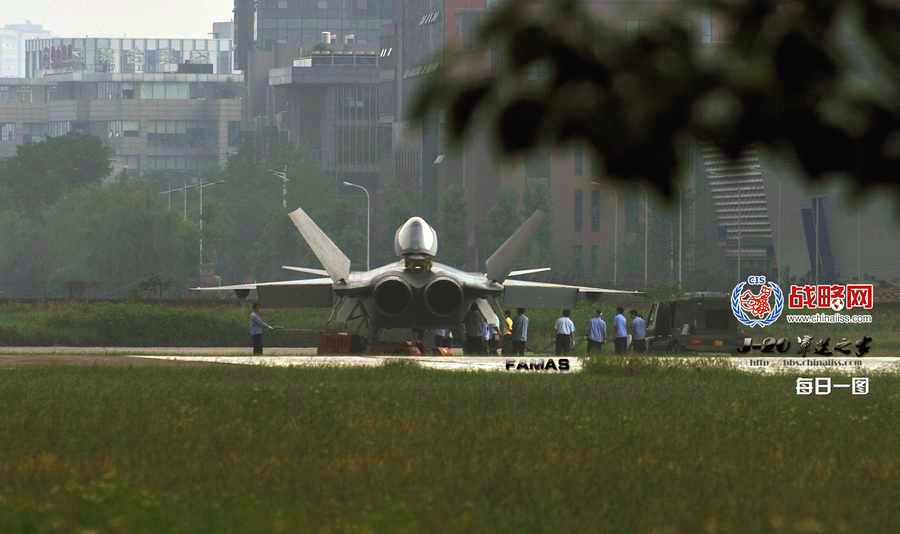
x=45, y=57
x=346, y=25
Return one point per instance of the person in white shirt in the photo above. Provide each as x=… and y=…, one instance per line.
x=596, y=333
x=256, y=330
x=565, y=329
x=621, y=331
x=638, y=332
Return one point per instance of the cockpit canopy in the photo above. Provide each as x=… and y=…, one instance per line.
x=415, y=236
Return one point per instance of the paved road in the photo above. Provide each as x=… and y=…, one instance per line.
x=122, y=351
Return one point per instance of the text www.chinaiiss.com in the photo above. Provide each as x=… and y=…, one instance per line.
x=829, y=318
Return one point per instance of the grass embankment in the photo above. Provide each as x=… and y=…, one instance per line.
x=145, y=324
x=211, y=324
x=621, y=448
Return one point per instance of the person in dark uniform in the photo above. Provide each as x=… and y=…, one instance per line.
x=474, y=331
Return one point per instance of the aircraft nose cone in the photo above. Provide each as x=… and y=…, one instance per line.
x=415, y=237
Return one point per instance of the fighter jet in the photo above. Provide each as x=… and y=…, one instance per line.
x=415, y=291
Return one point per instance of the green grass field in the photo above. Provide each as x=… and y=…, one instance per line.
x=216, y=324
x=619, y=448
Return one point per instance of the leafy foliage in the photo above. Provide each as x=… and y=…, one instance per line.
x=399, y=204
x=42, y=172
x=816, y=82
x=501, y=221
x=116, y=236
x=452, y=226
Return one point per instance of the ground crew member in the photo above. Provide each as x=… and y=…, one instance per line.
x=621, y=330
x=256, y=329
x=520, y=332
x=565, y=329
x=596, y=333
x=474, y=331
x=638, y=332
x=442, y=337
x=507, y=332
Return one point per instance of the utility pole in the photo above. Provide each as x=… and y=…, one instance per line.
x=616, y=240
x=646, y=234
x=202, y=186
x=816, y=202
x=858, y=245
x=680, y=234
x=169, y=192
x=780, y=261
x=740, y=230
x=284, y=182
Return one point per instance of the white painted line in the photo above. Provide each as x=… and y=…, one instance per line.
x=770, y=365
x=448, y=363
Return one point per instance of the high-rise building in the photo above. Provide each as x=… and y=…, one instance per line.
x=12, y=47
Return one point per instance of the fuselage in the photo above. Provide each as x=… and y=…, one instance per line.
x=397, y=297
x=416, y=292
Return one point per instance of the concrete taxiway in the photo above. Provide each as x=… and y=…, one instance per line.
x=542, y=364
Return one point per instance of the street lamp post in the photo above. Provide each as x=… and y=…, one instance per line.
x=368, y=221
x=284, y=182
x=201, y=186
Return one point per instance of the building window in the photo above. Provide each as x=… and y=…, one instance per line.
x=234, y=133
x=537, y=168
x=579, y=161
x=597, y=164
x=595, y=211
x=8, y=133
x=578, y=210
x=632, y=26
x=632, y=211
x=579, y=262
x=58, y=128
x=595, y=261
x=165, y=91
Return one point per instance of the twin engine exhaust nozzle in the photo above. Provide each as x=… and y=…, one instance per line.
x=442, y=296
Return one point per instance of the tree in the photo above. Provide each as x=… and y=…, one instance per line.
x=40, y=173
x=813, y=81
x=452, y=226
x=116, y=237
x=22, y=254
x=399, y=204
x=500, y=222
x=537, y=197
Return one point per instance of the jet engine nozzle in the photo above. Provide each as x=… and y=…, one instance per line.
x=443, y=296
x=392, y=296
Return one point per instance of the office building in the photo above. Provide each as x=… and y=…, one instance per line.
x=12, y=47
x=162, y=105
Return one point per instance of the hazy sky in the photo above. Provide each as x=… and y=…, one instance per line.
x=112, y=18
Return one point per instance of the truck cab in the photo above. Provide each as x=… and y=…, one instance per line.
x=693, y=322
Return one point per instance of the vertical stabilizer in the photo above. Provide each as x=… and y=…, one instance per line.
x=330, y=256
x=501, y=262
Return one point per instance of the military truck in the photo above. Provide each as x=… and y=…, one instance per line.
x=693, y=322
